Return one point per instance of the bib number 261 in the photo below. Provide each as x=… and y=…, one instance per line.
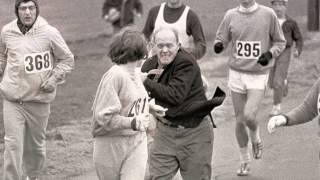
x=248, y=49
x=37, y=62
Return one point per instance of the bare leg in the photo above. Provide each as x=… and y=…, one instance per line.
x=239, y=101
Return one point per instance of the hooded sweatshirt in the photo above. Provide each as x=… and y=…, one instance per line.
x=120, y=97
x=27, y=60
x=23, y=28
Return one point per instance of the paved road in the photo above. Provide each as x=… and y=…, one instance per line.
x=289, y=154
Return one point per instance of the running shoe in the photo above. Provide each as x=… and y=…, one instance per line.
x=257, y=150
x=244, y=169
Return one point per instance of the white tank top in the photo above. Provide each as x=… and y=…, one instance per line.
x=180, y=25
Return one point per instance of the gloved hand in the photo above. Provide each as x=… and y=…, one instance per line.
x=49, y=85
x=276, y=121
x=157, y=110
x=140, y=122
x=218, y=47
x=265, y=58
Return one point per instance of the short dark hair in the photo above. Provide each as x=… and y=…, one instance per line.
x=128, y=45
x=18, y=2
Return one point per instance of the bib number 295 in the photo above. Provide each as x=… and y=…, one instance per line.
x=37, y=62
x=248, y=49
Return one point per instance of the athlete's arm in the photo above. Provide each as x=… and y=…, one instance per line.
x=308, y=109
x=277, y=38
x=194, y=29
x=62, y=54
x=150, y=22
x=223, y=35
x=138, y=6
x=297, y=37
x=107, y=105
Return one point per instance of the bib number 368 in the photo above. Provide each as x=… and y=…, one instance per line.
x=37, y=62
x=248, y=49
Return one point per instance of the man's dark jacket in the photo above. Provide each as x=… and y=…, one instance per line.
x=178, y=88
x=292, y=33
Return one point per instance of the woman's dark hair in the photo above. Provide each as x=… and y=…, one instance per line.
x=127, y=46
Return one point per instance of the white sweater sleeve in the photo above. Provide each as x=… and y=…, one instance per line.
x=3, y=56
x=107, y=106
x=223, y=32
x=62, y=54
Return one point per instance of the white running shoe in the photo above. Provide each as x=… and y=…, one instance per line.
x=244, y=169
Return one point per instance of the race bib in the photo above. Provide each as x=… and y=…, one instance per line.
x=138, y=107
x=248, y=49
x=37, y=62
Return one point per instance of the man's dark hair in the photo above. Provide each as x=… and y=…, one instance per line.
x=18, y=2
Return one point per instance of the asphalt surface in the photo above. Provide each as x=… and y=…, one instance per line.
x=291, y=153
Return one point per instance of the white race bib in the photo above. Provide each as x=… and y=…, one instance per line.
x=248, y=49
x=138, y=107
x=37, y=62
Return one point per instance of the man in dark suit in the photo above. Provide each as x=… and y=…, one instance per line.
x=182, y=141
